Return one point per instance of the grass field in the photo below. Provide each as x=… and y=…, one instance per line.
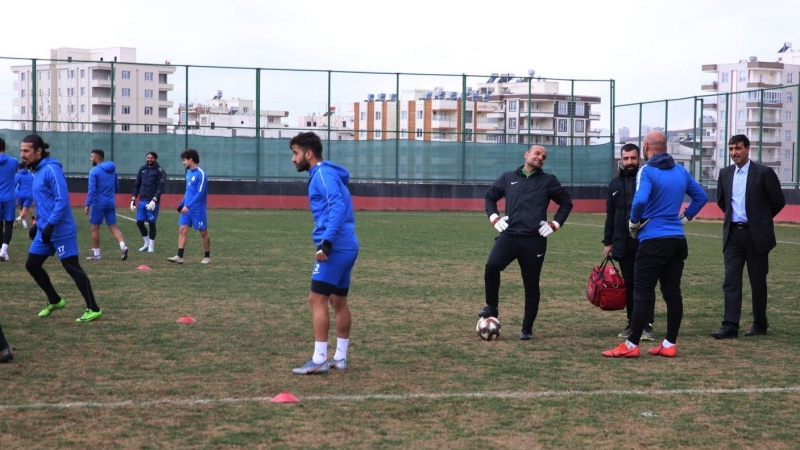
x=418, y=377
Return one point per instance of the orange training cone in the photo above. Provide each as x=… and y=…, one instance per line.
x=284, y=397
x=143, y=267
x=186, y=319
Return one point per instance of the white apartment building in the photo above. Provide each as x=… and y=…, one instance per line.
x=73, y=91
x=501, y=110
x=229, y=118
x=341, y=125
x=777, y=79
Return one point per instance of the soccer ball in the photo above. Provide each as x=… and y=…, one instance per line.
x=488, y=328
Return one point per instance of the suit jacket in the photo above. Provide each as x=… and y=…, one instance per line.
x=763, y=201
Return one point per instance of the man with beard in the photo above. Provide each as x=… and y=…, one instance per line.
x=617, y=238
x=101, y=202
x=337, y=249
x=150, y=181
x=656, y=221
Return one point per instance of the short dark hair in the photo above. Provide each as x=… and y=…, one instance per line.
x=735, y=139
x=308, y=141
x=155, y=155
x=2, y=145
x=97, y=151
x=38, y=143
x=629, y=148
x=21, y=166
x=192, y=154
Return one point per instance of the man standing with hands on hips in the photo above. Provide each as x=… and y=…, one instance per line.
x=523, y=231
x=750, y=195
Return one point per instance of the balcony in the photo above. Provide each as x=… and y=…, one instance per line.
x=710, y=124
x=766, y=105
x=593, y=116
x=710, y=104
x=101, y=100
x=709, y=87
x=767, y=143
x=537, y=130
x=496, y=115
x=444, y=105
x=771, y=163
x=767, y=124
x=543, y=113
x=165, y=103
x=100, y=118
x=709, y=68
x=166, y=86
x=444, y=123
x=101, y=82
x=486, y=125
x=761, y=84
x=165, y=121
x=764, y=65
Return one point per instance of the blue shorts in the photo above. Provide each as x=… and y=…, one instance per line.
x=336, y=270
x=25, y=201
x=142, y=214
x=97, y=215
x=63, y=247
x=198, y=219
x=8, y=210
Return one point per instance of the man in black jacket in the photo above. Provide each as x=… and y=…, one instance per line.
x=617, y=237
x=149, y=186
x=528, y=191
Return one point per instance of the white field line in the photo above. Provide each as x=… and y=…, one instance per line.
x=126, y=217
x=688, y=234
x=521, y=395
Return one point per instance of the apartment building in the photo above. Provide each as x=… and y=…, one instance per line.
x=93, y=90
x=229, y=118
x=341, y=125
x=771, y=124
x=504, y=109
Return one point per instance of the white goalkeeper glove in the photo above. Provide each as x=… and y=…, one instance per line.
x=547, y=228
x=684, y=218
x=152, y=205
x=634, y=227
x=133, y=204
x=500, y=223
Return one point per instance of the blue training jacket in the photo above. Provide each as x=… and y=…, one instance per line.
x=8, y=170
x=103, y=185
x=196, y=195
x=332, y=206
x=23, y=184
x=660, y=187
x=52, y=199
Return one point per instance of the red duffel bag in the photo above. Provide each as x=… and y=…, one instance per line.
x=606, y=288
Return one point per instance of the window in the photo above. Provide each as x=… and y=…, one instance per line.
x=722, y=153
x=741, y=114
x=580, y=109
x=419, y=132
x=419, y=114
x=72, y=92
x=22, y=110
x=126, y=127
x=378, y=134
x=344, y=124
x=71, y=109
x=512, y=123
x=740, y=131
x=308, y=123
x=148, y=128
x=788, y=97
x=22, y=93
x=148, y=76
x=126, y=92
x=83, y=108
x=788, y=116
x=742, y=76
x=126, y=110
x=83, y=92
x=403, y=133
x=579, y=126
x=83, y=73
x=377, y=115
x=271, y=120
x=786, y=173
x=59, y=92
x=148, y=93
x=562, y=141
x=22, y=76
x=404, y=115
x=512, y=105
x=512, y=139
x=363, y=134
x=245, y=110
x=126, y=74
x=724, y=77
x=363, y=115
x=468, y=117
x=787, y=154
x=789, y=77
x=562, y=125
x=59, y=74
x=788, y=136
x=71, y=74
x=562, y=108
x=148, y=110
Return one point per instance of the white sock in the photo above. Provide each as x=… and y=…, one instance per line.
x=667, y=344
x=4, y=249
x=24, y=224
x=151, y=244
x=96, y=251
x=630, y=345
x=19, y=218
x=341, y=349
x=320, y=352
x=146, y=241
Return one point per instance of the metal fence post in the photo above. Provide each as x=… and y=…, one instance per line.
x=258, y=124
x=34, y=110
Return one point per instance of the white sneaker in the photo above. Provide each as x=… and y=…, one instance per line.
x=4, y=256
x=205, y=261
x=175, y=259
x=141, y=249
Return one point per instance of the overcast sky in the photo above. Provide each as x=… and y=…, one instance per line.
x=653, y=50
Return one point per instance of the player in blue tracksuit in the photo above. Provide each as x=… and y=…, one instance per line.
x=657, y=222
x=337, y=249
x=8, y=207
x=23, y=186
x=150, y=182
x=55, y=231
x=101, y=202
x=193, y=206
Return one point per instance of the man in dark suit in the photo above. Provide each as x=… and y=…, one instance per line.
x=750, y=196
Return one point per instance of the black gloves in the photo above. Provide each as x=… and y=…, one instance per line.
x=180, y=208
x=32, y=232
x=325, y=247
x=47, y=233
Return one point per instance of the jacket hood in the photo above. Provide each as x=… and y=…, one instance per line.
x=107, y=166
x=4, y=159
x=341, y=171
x=47, y=162
x=661, y=161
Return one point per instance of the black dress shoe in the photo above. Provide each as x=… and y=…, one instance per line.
x=525, y=335
x=6, y=355
x=488, y=311
x=755, y=331
x=725, y=333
